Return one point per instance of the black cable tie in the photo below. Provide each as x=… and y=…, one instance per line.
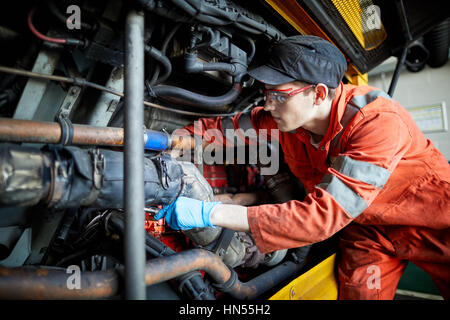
x=66, y=130
x=149, y=88
x=229, y=284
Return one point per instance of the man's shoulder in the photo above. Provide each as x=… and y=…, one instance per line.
x=359, y=90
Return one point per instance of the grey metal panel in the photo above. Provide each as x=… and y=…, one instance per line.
x=107, y=102
x=35, y=88
x=21, y=251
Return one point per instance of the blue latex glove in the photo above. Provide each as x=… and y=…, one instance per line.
x=187, y=213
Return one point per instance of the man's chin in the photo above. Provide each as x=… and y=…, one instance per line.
x=283, y=128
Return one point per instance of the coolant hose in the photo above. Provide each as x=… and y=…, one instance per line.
x=196, y=288
x=437, y=41
x=158, y=55
x=163, y=269
x=189, y=98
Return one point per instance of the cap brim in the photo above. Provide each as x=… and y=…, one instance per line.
x=270, y=76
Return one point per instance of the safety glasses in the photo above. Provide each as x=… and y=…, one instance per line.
x=281, y=95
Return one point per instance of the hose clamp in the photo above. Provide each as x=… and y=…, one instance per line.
x=98, y=166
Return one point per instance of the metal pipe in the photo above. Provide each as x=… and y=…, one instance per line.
x=401, y=60
x=166, y=268
x=398, y=68
x=134, y=157
x=39, y=283
x=15, y=130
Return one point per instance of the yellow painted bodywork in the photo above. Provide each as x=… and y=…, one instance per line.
x=362, y=21
x=319, y=283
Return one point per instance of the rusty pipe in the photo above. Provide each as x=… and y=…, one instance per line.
x=39, y=283
x=14, y=130
x=166, y=268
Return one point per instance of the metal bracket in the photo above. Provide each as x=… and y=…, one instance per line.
x=223, y=242
x=98, y=162
x=70, y=102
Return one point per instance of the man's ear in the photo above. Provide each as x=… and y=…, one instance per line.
x=321, y=91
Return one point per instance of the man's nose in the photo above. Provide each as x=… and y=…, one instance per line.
x=269, y=105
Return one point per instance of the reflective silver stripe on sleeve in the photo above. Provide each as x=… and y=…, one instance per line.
x=361, y=101
x=362, y=171
x=245, y=121
x=352, y=202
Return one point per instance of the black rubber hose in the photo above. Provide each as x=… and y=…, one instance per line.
x=189, y=98
x=252, y=48
x=155, y=80
x=219, y=66
x=195, y=286
x=437, y=42
x=198, y=14
x=161, y=58
x=208, y=13
x=398, y=68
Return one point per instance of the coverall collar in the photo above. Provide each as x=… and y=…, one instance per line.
x=337, y=111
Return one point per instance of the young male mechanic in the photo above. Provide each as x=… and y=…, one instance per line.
x=365, y=164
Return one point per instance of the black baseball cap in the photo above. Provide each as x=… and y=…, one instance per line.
x=308, y=59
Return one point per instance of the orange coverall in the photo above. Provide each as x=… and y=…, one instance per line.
x=375, y=174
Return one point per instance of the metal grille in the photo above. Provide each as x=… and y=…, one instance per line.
x=364, y=20
x=364, y=49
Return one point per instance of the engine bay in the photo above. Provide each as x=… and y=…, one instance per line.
x=61, y=157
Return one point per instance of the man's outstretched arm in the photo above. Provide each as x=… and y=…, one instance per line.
x=187, y=213
x=230, y=216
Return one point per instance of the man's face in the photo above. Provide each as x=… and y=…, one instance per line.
x=296, y=111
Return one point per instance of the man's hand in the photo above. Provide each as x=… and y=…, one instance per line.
x=181, y=144
x=186, y=213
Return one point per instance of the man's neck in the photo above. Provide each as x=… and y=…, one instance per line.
x=319, y=125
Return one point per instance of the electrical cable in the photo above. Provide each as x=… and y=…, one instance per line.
x=38, y=34
x=83, y=82
x=43, y=37
x=212, y=15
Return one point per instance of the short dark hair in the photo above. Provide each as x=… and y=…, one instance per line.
x=331, y=93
